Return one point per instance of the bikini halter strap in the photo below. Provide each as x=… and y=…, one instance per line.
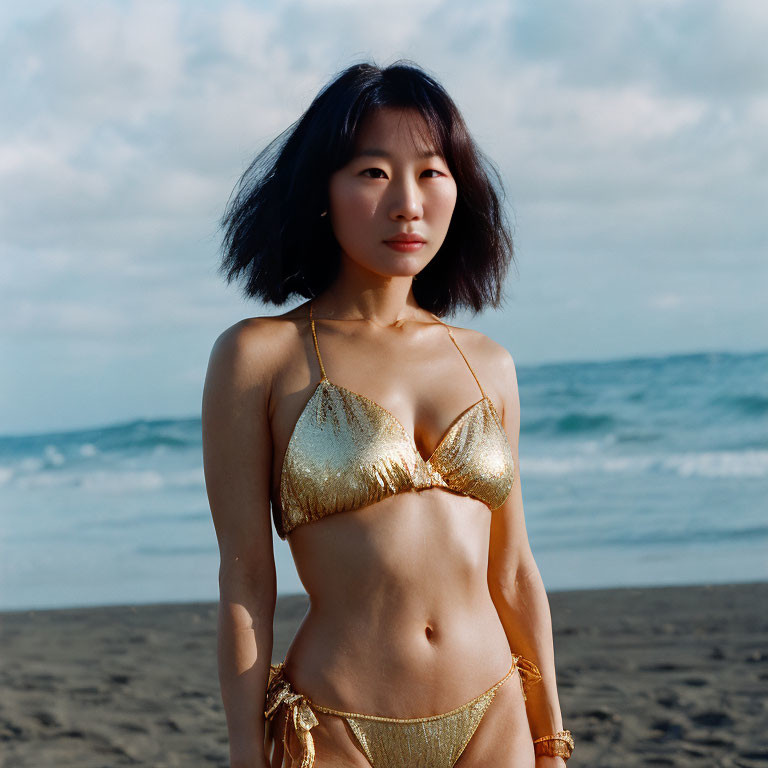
x=456, y=344
x=314, y=337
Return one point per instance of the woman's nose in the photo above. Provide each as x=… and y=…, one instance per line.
x=406, y=202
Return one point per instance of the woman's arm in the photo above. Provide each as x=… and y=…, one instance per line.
x=237, y=457
x=514, y=580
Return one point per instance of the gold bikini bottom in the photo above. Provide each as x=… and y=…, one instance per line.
x=436, y=741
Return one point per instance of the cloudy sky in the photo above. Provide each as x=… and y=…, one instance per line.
x=632, y=138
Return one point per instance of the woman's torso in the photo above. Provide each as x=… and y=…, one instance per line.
x=401, y=622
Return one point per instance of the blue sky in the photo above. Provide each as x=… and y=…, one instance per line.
x=632, y=138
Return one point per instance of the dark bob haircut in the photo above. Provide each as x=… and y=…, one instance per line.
x=277, y=243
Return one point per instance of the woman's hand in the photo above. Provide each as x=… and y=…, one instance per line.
x=548, y=761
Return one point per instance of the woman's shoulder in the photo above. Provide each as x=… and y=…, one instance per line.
x=256, y=347
x=482, y=347
x=493, y=365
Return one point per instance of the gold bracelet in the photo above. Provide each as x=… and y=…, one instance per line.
x=558, y=744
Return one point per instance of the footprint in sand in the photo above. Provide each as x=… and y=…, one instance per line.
x=712, y=719
x=46, y=719
x=666, y=730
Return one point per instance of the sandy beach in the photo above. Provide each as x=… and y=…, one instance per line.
x=666, y=676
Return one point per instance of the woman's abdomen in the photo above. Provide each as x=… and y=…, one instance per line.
x=401, y=622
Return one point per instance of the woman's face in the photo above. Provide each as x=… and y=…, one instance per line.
x=393, y=185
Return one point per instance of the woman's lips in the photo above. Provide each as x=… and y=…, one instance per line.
x=405, y=246
x=405, y=242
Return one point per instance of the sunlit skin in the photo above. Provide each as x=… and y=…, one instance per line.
x=395, y=184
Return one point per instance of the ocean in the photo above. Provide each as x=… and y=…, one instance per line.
x=635, y=472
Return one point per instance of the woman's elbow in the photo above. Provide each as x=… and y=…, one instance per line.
x=507, y=581
x=251, y=584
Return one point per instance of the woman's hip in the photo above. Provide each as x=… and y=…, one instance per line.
x=298, y=727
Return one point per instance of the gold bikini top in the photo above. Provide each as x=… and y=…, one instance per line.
x=346, y=452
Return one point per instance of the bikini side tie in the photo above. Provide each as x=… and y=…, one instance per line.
x=529, y=674
x=299, y=713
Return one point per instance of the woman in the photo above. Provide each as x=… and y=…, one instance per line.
x=385, y=441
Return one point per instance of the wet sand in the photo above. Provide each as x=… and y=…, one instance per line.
x=664, y=676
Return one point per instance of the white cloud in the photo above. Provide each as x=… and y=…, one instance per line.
x=666, y=301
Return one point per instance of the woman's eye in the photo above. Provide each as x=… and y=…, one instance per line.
x=377, y=173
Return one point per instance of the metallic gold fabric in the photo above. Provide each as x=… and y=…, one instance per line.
x=435, y=741
x=299, y=715
x=558, y=744
x=347, y=452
